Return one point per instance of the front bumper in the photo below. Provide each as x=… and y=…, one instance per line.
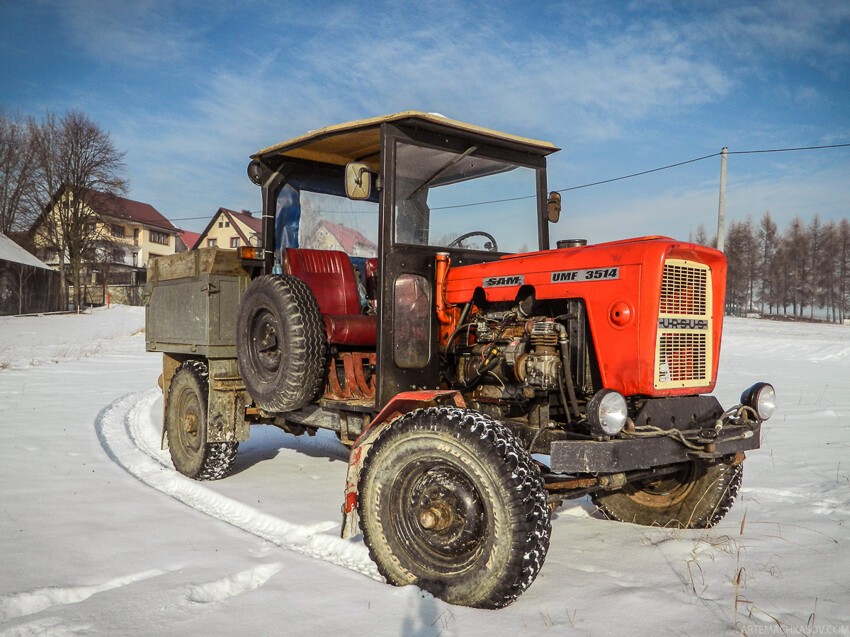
x=653, y=446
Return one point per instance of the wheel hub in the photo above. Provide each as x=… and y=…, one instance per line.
x=436, y=518
x=446, y=512
x=664, y=492
x=265, y=341
x=190, y=423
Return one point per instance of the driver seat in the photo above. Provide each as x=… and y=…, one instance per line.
x=330, y=276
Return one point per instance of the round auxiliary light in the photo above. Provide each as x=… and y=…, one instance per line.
x=607, y=413
x=761, y=398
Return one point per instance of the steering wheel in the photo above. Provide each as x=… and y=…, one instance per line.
x=493, y=247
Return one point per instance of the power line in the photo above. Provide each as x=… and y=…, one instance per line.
x=784, y=150
x=643, y=172
x=691, y=161
x=189, y=218
x=630, y=176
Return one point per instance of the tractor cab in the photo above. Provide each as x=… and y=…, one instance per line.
x=360, y=211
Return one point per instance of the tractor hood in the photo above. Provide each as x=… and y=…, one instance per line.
x=634, y=292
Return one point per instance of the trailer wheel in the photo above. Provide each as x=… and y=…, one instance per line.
x=186, y=426
x=451, y=502
x=280, y=343
x=695, y=497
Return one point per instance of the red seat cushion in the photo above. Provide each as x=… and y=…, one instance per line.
x=330, y=277
x=351, y=329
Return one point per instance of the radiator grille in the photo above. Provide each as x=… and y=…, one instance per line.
x=683, y=344
x=684, y=290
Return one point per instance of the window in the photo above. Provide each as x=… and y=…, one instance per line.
x=226, y=224
x=234, y=242
x=159, y=237
x=412, y=321
x=440, y=196
x=211, y=243
x=336, y=222
x=221, y=224
x=117, y=230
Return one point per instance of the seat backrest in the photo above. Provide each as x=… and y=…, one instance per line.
x=329, y=275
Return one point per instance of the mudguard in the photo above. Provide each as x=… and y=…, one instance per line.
x=400, y=404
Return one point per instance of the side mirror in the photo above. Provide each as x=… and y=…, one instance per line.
x=358, y=181
x=553, y=207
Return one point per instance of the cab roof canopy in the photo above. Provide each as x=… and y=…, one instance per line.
x=361, y=140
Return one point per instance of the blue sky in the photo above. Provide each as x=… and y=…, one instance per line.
x=190, y=89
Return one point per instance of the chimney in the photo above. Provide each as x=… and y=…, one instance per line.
x=247, y=212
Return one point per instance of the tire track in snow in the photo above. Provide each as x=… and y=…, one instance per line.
x=124, y=431
x=232, y=586
x=31, y=602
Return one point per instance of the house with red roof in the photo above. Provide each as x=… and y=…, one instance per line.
x=125, y=235
x=231, y=229
x=328, y=235
x=187, y=240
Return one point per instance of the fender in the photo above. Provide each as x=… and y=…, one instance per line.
x=399, y=405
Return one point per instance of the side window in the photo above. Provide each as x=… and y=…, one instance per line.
x=412, y=321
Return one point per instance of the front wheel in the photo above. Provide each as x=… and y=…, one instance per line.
x=697, y=496
x=449, y=501
x=186, y=426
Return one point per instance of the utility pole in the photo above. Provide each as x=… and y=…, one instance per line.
x=721, y=207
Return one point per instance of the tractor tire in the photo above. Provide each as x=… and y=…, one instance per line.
x=450, y=501
x=186, y=426
x=696, y=497
x=280, y=343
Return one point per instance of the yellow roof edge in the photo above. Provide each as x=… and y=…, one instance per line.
x=377, y=121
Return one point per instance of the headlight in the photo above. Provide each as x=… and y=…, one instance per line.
x=607, y=413
x=761, y=398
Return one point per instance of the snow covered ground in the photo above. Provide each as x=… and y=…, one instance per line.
x=99, y=536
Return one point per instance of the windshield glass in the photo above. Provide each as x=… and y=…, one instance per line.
x=446, y=198
x=322, y=221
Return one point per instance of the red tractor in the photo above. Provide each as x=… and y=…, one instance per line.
x=405, y=296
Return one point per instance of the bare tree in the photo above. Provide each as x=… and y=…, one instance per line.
x=77, y=173
x=813, y=262
x=843, y=256
x=795, y=244
x=826, y=274
x=15, y=160
x=701, y=236
x=767, y=237
x=742, y=255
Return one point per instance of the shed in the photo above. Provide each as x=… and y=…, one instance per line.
x=26, y=284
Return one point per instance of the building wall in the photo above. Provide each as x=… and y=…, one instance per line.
x=141, y=240
x=223, y=233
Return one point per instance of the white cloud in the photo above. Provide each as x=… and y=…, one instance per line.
x=139, y=33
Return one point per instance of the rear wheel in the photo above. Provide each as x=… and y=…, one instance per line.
x=450, y=502
x=697, y=496
x=280, y=343
x=186, y=426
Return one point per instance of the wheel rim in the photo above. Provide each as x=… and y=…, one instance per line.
x=189, y=419
x=264, y=343
x=666, y=491
x=441, y=518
